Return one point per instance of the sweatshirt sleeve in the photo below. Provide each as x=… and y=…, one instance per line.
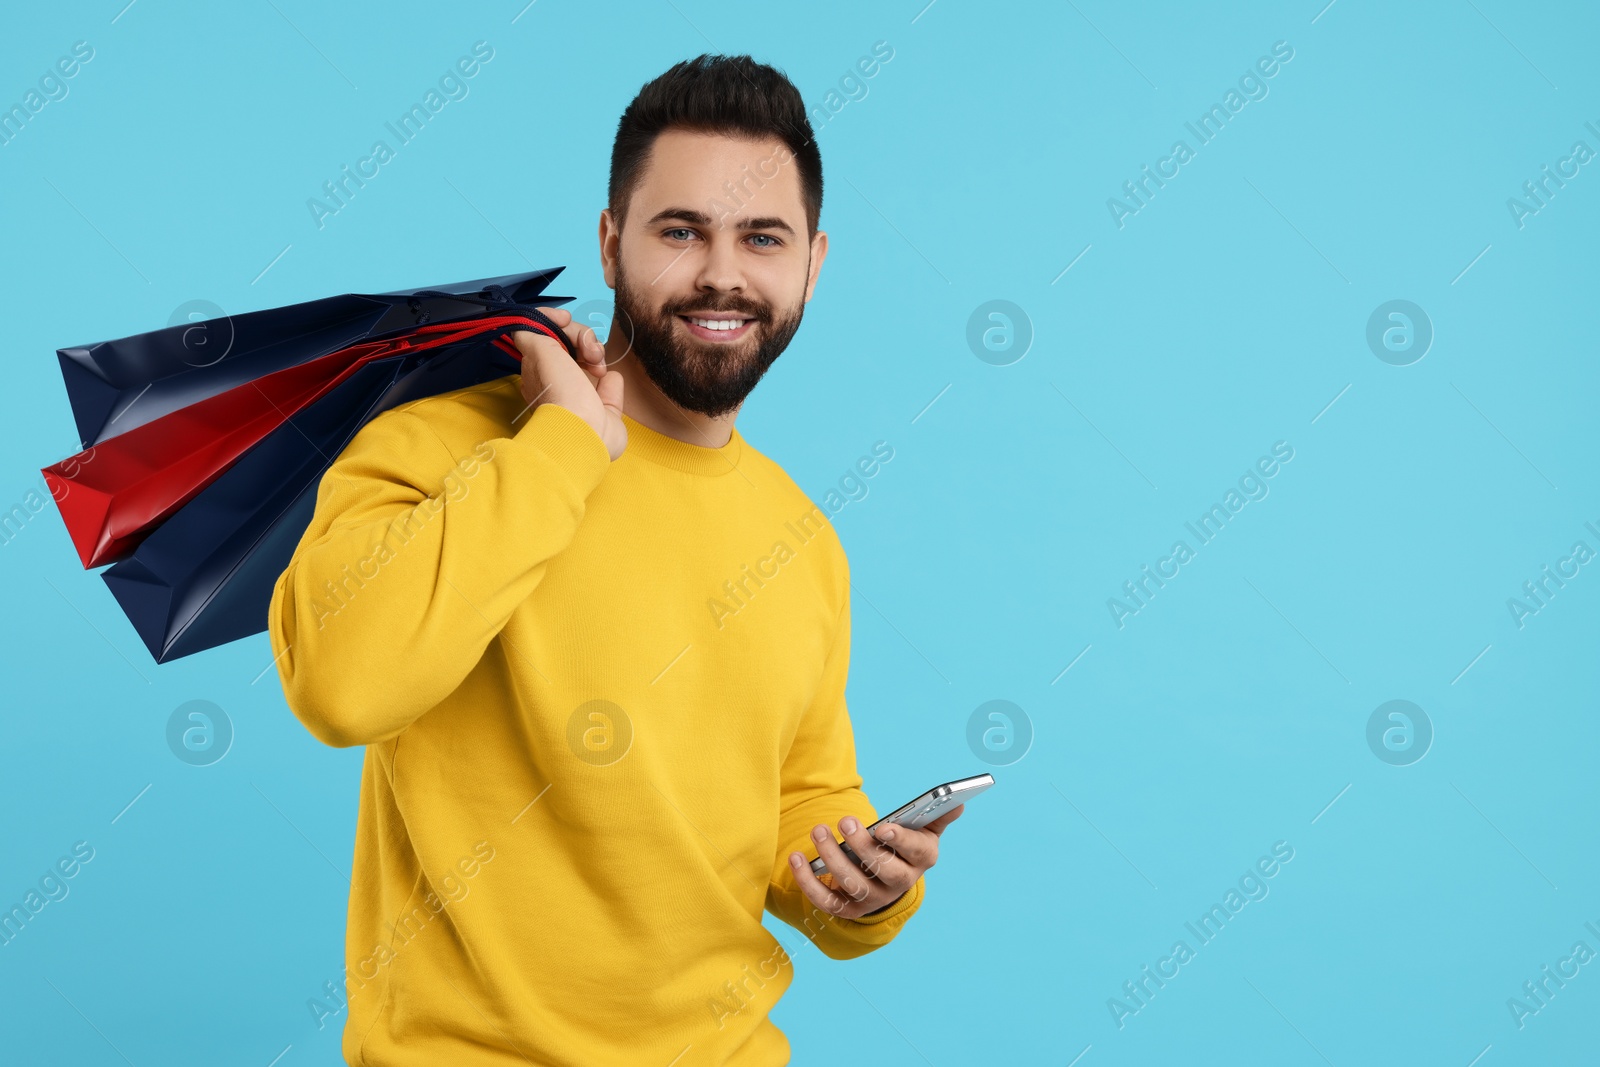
x=414, y=560
x=820, y=785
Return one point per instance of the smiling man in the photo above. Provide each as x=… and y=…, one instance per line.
x=581, y=788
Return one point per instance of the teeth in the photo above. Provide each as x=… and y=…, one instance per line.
x=719, y=324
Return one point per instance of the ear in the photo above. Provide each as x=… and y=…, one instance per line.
x=610, y=243
x=819, y=252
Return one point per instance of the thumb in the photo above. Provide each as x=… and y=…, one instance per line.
x=939, y=825
x=610, y=390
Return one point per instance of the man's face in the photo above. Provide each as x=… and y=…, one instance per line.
x=715, y=231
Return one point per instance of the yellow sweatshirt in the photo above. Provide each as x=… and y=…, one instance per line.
x=601, y=703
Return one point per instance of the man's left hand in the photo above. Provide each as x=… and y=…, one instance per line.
x=890, y=864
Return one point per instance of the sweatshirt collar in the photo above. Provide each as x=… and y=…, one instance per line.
x=680, y=455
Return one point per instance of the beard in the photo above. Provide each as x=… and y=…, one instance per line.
x=709, y=377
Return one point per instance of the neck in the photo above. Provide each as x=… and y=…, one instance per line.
x=646, y=404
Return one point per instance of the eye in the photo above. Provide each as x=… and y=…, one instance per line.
x=678, y=229
x=768, y=237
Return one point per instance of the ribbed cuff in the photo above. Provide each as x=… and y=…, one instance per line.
x=907, y=902
x=572, y=443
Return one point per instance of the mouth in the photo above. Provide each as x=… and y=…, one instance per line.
x=717, y=328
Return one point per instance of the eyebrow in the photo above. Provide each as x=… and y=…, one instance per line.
x=700, y=218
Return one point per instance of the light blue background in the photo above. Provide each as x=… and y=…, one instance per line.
x=1228, y=314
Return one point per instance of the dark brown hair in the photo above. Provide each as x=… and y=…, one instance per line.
x=730, y=95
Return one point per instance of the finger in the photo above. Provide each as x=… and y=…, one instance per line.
x=591, y=353
x=877, y=859
x=536, y=347
x=835, y=899
x=828, y=900
x=916, y=848
x=938, y=825
x=585, y=345
x=847, y=877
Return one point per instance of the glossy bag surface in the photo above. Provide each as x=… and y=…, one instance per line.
x=115, y=386
x=205, y=576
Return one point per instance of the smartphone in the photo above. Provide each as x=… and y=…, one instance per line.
x=919, y=812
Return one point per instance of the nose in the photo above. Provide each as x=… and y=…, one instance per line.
x=719, y=267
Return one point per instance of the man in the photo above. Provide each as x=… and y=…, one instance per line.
x=596, y=647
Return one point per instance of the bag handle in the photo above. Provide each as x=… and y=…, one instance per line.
x=496, y=298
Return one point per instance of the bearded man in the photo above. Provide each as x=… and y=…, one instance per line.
x=582, y=781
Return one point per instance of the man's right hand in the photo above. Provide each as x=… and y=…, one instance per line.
x=583, y=386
